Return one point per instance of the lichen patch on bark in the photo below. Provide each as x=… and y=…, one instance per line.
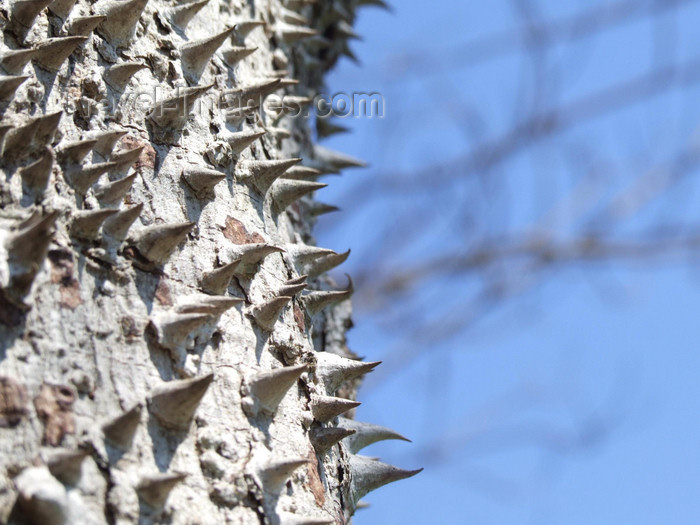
x=13, y=402
x=54, y=406
x=235, y=231
x=62, y=268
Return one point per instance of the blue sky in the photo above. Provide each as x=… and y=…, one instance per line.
x=578, y=403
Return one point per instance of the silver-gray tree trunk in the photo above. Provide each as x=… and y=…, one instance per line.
x=159, y=361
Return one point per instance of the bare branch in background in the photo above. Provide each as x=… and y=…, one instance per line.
x=590, y=210
x=542, y=33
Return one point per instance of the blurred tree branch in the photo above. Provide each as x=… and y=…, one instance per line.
x=453, y=242
x=534, y=33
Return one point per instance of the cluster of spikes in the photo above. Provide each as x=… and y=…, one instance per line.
x=28, y=150
x=264, y=391
x=173, y=404
x=100, y=175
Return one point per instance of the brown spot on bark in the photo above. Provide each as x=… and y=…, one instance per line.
x=315, y=484
x=62, y=265
x=129, y=329
x=54, y=406
x=13, y=402
x=70, y=296
x=147, y=159
x=235, y=232
x=163, y=292
x=299, y=317
x=90, y=88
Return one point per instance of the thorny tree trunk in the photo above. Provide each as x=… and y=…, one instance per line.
x=159, y=361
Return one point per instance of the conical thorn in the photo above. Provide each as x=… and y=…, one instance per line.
x=14, y=60
x=334, y=370
x=156, y=243
x=277, y=471
x=119, y=75
x=120, y=430
x=262, y=173
x=269, y=388
x=368, y=475
x=289, y=34
x=235, y=54
x=84, y=25
x=291, y=290
x=27, y=249
x=206, y=304
x=112, y=193
x=175, y=330
x=61, y=8
x=255, y=252
x=35, y=177
x=305, y=254
x=325, y=438
x=106, y=141
x=202, y=180
x=174, y=403
x=366, y=434
x=180, y=16
x=325, y=264
x=82, y=178
x=267, y=313
x=8, y=86
x=325, y=408
x=241, y=140
x=118, y=225
x=121, y=18
x=173, y=112
x=321, y=208
x=53, y=52
x=302, y=173
x=244, y=27
x=284, y=192
x=334, y=160
x=23, y=13
x=126, y=157
x=41, y=498
x=65, y=465
x=74, y=152
x=314, y=302
x=155, y=489
x=195, y=56
x=325, y=127
x=217, y=281
x=87, y=224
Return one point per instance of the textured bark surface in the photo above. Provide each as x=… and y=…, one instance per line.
x=133, y=386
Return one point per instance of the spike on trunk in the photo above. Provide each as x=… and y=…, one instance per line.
x=175, y=402
x=334, y=370
x=267, y=313
x=120, y=430
x=157, y=243
x=121, y=17
x=366, y=434
x=155, y=489
x=368, y=475
x=217, y=281
x=325, y=408
x=268, y=388
x=325, y=438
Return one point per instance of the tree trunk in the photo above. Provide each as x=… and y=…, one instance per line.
x=159, y=361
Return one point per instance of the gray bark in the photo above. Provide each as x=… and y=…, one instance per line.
x=134, y=387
